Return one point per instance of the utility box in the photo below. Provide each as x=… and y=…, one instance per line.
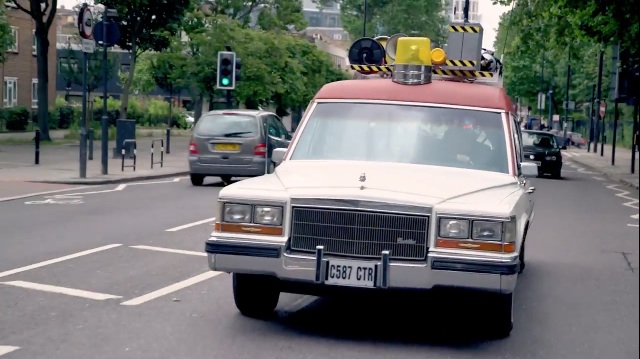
x=464, y=46
x=125, y=130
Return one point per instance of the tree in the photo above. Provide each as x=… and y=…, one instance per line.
x=145, y=25
x=6, y=40
x=73, y=71
x=389, y=17
x=43, y=12
x=168, y=70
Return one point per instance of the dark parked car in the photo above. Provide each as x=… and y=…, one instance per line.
x=542, y=148
x=235, y=143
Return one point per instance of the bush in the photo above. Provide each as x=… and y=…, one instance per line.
x=17, y=119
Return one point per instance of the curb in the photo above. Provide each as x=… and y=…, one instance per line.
x=608, y=176
x=88, y=181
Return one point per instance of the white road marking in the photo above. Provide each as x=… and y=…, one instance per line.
x=299, y=304
x=633, y=203
x=172, y=288
x=41, y=193
x=171, y=250
x=635, y=216
x=598, y=178
x=189, y=225
x=61, y=290
x=633, y=225
x=177, y=179
x=568, y=154
x=57, y=260
x=6, y=349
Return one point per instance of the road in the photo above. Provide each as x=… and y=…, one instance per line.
x=119, y=272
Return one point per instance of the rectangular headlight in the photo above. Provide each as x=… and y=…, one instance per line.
x=487, y=231
x=453, y=228
x=267, y=215
x=237, y=213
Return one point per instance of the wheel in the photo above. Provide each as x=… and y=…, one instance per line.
x=557, y=174
x=271, y=168
x=522, y=259
x=226, y=179
x=256, y=296
x=501, y=314
x=197, y=180
x=540, y=172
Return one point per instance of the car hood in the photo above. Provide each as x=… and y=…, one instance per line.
x=387, y=182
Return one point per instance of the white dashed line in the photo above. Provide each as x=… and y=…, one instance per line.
x=632, y=202
x=61, y=290
x=172, y=288
x=170, y=250
x=6, y=349
x=189, y=225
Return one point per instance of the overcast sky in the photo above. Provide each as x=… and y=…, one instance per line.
x=490, y=18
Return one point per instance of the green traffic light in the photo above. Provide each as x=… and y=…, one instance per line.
x=225, y=82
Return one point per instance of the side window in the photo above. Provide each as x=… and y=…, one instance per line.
x=283, y=130
x=272, y=128
x=517, y=140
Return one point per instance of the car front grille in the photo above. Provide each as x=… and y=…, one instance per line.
x=359, y=233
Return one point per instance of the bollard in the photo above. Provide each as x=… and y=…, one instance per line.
x=168, y=140
x=124, y=151
x=37, y=140
x=91, y=144
x=161, y=152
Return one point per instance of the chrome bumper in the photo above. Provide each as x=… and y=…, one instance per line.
x=440, y=269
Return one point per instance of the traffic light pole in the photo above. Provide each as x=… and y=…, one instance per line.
x=229, y=100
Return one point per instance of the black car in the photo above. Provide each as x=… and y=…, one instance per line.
x=542, y=147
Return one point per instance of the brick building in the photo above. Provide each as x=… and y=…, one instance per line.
x=19, y=72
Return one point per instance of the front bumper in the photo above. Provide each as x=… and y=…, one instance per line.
x=441, y=270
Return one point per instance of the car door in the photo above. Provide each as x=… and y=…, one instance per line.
x=227, y=138
x=525, y=202
x=276, y=132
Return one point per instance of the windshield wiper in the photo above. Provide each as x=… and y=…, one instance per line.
x=235, y=134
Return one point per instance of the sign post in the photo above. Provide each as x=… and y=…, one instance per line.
x=85, y=28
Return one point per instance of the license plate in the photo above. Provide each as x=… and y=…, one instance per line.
x=538, y=163
x=226, y=147
x=351, y=273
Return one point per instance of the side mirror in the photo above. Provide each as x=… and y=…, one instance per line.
x=563, y=147
x=529, y=169
x=278, y=155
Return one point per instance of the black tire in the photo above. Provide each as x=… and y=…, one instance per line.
x=557, y=174
x=256, y=296
x=272, y=167
x=226, y=179
x=501, y=314
x=197, y=180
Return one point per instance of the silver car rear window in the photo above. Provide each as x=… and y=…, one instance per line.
x=222, y=125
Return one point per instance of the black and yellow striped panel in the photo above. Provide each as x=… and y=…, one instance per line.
x=463, y=73
x=460, y=28
x=371, y=68
x=462, y=63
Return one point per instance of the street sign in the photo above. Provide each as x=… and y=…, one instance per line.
x=85, y=22
x=603, y=108
x=541, y=100
x=88, y=46
x=572, y=105
x=112, y=33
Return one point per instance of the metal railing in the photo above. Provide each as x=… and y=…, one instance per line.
x=153, y=142
x=124, y=151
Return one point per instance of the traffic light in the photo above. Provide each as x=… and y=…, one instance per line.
x=238, y=67
x=226, y=78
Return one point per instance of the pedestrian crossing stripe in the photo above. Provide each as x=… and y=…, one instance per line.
x=468, y=29
x=461, y=63
x=463, y=73
x=371, y=68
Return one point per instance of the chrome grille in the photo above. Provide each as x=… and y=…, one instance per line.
x=359, y=233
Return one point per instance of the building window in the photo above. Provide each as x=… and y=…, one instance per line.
x=337, y=36
x=67, y=64
x=124, y=68
x=34, y=49
x=332, y=21
x=15, y=34
x=314, y=20
x=10, y=93
x=34, y=93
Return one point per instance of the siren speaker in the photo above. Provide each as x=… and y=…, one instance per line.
x=392, y=43
x=366, y=51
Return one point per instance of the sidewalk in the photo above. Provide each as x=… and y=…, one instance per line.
x=59, y=163
x=621, y=172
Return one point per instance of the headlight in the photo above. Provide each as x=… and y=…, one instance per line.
x=532, y=157
x=454, y=228
x=550, y=158
x=237, y=213
x=271, y=216
x=487, y=231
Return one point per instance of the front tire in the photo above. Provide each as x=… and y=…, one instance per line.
x=522, y=259
x=557, y=174
x=197, y=180
x=501, y=314
x=255, y=296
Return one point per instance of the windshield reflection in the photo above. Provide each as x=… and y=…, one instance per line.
x=436, y=136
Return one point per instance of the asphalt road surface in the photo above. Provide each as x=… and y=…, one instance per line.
x=120, y=272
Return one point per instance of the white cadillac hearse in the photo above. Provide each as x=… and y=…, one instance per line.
x=404, y=183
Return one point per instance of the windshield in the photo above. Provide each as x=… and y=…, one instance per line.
x=539, y=140
x=406, y=134
x=219, y=125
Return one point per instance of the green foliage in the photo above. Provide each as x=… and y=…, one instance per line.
x=389, y=17
x=72, y=71
x=17, y=119
x=6, y=40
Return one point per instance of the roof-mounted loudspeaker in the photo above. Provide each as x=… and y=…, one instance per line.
x=366, y=51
